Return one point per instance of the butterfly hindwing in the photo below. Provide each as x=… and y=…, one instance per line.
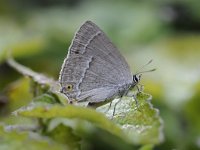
x=93, y=63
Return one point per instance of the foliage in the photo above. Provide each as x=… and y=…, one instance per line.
x=38, y=33
x=73, y=126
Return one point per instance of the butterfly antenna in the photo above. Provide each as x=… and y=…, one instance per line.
x=137, y=72
x=146, y=71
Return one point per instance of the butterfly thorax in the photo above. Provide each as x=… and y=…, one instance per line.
x=123, y=90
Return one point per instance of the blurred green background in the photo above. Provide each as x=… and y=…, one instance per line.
x=39, y=33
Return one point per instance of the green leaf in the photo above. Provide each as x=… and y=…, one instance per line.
x=22, y=141
x=45, y=98
x=72, y=112
x=147, y=147
x=142, y=124
x=40, y=79
x=99, y=139
x=64, y=135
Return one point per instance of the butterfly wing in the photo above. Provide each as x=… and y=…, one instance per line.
x=94, y=68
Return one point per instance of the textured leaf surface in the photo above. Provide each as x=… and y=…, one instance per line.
x=136, y=124
x=72, y=112
x=142, y=123
x=14, y=141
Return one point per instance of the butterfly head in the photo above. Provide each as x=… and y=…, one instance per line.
x=136, y=78
x=138, y=75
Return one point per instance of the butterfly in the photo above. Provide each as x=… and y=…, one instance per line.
x=94, y=71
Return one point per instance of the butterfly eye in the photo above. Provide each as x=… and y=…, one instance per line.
x=69, y=87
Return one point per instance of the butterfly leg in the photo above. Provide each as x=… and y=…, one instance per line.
x=134, y=96
x=108, y=107
x=136, y=101
x=114, y=109
x=140, y=87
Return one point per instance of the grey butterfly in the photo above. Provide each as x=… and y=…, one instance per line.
x=94, y=70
